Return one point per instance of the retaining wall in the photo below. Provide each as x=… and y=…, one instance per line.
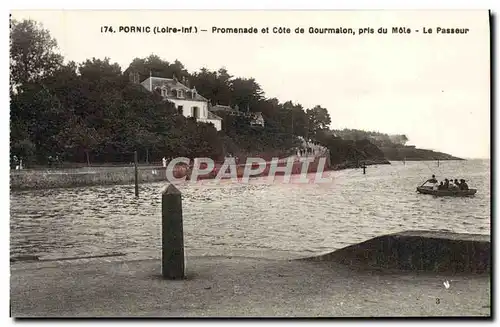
x=39, y=179
x=419, y=251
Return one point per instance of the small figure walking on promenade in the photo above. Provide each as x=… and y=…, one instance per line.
x=164, y=162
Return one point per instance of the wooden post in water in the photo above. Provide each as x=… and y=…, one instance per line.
x=172, y=235
x=136, y=173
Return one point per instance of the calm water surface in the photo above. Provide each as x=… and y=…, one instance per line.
x=224, y=216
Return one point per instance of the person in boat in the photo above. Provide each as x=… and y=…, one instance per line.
x=463, y=185
x=432, y=180
x=453, y=186
x=441, y=186
x=457, y=183
x=446, y=184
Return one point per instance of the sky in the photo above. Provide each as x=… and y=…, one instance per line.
x=435, y=88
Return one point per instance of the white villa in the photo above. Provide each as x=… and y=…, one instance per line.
x=256, y=118
x=186, y=100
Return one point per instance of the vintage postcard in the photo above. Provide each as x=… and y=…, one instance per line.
x=250, y=163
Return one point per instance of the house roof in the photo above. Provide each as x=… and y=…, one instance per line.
x=171, y=84
x=211, y=115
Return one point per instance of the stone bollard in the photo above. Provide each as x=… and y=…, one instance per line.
x=172, y=259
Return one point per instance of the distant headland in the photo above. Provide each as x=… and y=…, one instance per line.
x=350, y=148
x=411, y=153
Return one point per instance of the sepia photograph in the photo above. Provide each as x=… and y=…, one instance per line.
x=250, y=163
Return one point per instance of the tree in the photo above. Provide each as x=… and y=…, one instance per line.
x=157, y=67
x=404, y=139
x=319, y=119
x=246, y=93
x=180, y=72
x=294, y=119
x=32, y=53
x=36, y=116
x=215, y=86
x=79, y=139
x=101, y=73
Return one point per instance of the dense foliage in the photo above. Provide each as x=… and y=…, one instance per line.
x=377, y=138
x=91, y=112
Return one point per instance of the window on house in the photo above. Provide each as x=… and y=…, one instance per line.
x=164, y=92
x=180, y=110
x=195, y=112
x=180, y=93
x=134, y=77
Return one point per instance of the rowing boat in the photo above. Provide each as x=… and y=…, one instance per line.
x=429, y=190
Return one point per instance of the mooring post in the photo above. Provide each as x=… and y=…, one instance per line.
x=364, y=169
x=136, y=175
x=172, y=235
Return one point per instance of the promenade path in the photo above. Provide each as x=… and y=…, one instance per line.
x=239, y=286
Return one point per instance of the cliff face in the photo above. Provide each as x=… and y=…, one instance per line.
x=410, y=153
x=349, y=154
